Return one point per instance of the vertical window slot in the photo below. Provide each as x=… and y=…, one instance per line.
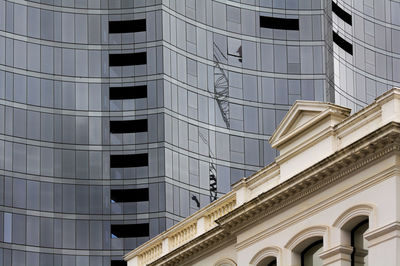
x=126, y=26
x=129, y=230
x=118, y=263
x=129, y=160
x=342, y=43
x=129, y=92
x=130, y=59
x=130, y=195
x=128, y=126
x=279, y=23
x=346, y=17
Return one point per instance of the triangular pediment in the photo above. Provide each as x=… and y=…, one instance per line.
x=301, y=116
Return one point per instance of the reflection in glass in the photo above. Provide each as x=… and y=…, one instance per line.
x=359, y=257
x=269, y=261
x=310, y=255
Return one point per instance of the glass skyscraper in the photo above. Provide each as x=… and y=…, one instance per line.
x=120, y=117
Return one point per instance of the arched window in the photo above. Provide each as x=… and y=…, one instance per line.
x=359, y=256
x=269, y=256
x=310, y=255
x=225, y=262
x=307, y=245
x=354, y=222
x=270, y=261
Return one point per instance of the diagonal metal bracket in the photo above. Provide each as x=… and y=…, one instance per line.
x=221, y=85
x=212, y=171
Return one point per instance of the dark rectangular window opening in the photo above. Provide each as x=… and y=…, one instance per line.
x=126, y=26
x=127, y=59
x=279, y=23
x=128, y=126
x=129, y=230
x=129, y=92
x=118, y=263
x=129, y=160
x=346, y=17
x=342, y=43
x=130, y=195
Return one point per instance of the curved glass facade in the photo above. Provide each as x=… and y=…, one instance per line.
x=374, y=66
x=121, y=117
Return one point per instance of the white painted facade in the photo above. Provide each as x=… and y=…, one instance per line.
x=335, y=173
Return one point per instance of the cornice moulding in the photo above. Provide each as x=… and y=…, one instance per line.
x=344, y=145
x=326, y=169
x=372, y=147
x=383, y=234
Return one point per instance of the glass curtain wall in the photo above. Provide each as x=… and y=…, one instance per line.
x=119, y=118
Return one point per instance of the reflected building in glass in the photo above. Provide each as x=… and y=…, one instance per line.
x=121, y=117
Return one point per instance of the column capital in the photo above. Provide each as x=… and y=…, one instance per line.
x=340, y=253
x=383, y=234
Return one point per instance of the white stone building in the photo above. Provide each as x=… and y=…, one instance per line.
x=332, y=197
